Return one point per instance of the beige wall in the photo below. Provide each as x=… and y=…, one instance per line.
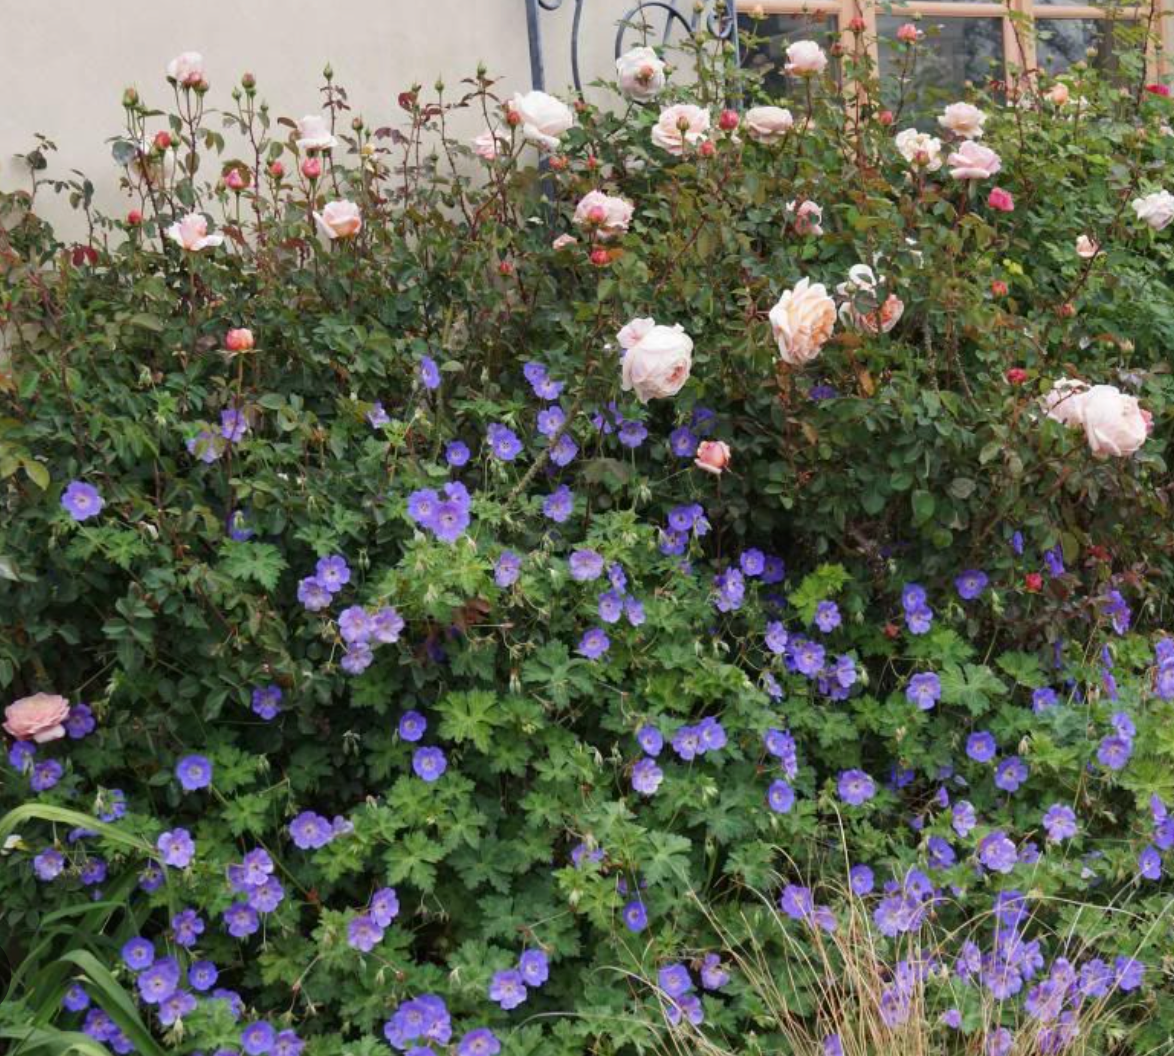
x=65, y=63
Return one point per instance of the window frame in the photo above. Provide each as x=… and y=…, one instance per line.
x=1016, y=58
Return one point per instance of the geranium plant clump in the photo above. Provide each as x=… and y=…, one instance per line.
x=460, y=606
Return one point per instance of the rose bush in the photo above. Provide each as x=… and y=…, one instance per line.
x=449, y=602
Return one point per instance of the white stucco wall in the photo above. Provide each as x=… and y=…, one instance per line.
x=64, y=63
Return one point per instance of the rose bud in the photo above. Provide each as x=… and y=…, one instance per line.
x=504, y=267
x=856, y=25
x=1067, y=310
x=235, y=180
x=558, y=163
x=276, y=170
x=600, y=257
x=134, y=218
x=162, y=140
x=239, y=340
x=1016, y=375
x=728, y=120
x=713, y=456
x=999, y=288
x=312, y=168
x=707, y=149
x=885, y=117
x=1033, y=582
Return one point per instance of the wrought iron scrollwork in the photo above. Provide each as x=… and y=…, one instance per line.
x=639, y=25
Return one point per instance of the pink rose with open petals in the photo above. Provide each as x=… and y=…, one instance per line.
x=39, y=718
x=973, y=161
x=186, y=69
x=1001, y=200
x=192, y=233
x=963, y=119
x=768, y=124
x=657, y=359
x=805, y=58
x=1065, y=402
x=1114, y=423
x=490, y=143
x=680, y=126
x=604, y=214
x=339, y=220
x=712, y=456
x=802, y=322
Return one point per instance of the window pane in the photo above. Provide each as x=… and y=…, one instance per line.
x=955, y=50
x=774, y=33
x=1062, y=41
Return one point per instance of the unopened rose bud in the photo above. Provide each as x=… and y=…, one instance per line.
x=892, y=630
x=707, y=149
x=600, y=257
x=558, y=163
x=856, y=25
x=683, y=123
x=908, y=33
x=328, y=72
x=356, y=124
x=162, y=140
x=1016, y=376
x=999, y=288
x=1067, y=310
x=134, y=218
x=513, y=118
x=505, y=268
x=836, y=50
x=276, y=170
x=592, y=162
x=1033, y=582
x=439, y=86
x=596, y=215
x=885, y=117
x=240, y=340
x=201, y=86
x=713, y=456
x=728, y=120
x=758, y=12
x=130, y=98
x=312, y=168
x=235, y=180
x=248, y=82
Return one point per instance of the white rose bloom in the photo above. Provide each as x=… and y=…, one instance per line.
x=641, y=74
x=680, y=126
x=963, y=120
x=1064, y=402
x=920, y=149
x=314, y=134
x=657, y=359
x=802, y=321
x=543, y=117
x=768, y=124
x=1155, y=209
x=1114, y=424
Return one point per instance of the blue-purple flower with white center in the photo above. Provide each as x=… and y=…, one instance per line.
x=564, y=450
x=422, y=506
x=456, y=453
x=1054, y=559
x=267, y=701
x=313, y=594
x=650, y=739
x=534, y=966
x=684, y=518
x=963, y=818
x=80, y=722
x=1117, y=609
x=997, y=853
x=855, y=787
x=941, y=855
x=780, y=797
x=611, y=606
x=241, y=920
x=177, y=1006
x=713, y=974
x=1149, y=864
x=1114, y=752
x=429, y=373
x=357, y=658
x=860, y=879
x=480, y=1042
x=559, y=504
x=1043, y=699
x=805, y=656
x=924, y=690
x=412, y=726
x=970, y=584
x=683, y=442
x=257, y=1039
x=384, y=906
x=1010, y=774
x=687, y=743
x=450, y=521
x=550, y=421
x=267, y=897
x=429, y=764
x=151, y=879
x=76, y=999
x=45, y=775
x=548, y=389
x=177, y=847
x=309, y=831
x=1123, y=726
x=81, y=500
x=48, y=865
x=796, y=902
x=777, y=638
x=158, y=982
x=634, y=611
x=287, y=1043
x=193, y=772
x=731, y=590
x=711, y=733
x=646, y=777
x=354, y=625
x=594, y=643
x=781, y=745
x=827, y=616
x=1059, y=822
x=507, y=988
x=773, y=570
x=503, y=442
x=138, y=953
x=674, y=980
x=951, y=1018
x=919, y=621
x=632, y=433
x=1128, y=973
x=635, y=916
x=386, y=625
x=678, y=1009
x=233, y=425
x=363, y=933
x=981, y=746
x=332, y=572
x=377, y=417
x=186, y=927
x=21, y=756
x=507, y=568
x=205, y=447
x=752, y=562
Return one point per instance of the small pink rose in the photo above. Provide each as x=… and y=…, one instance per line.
x=713, y=456
x=39, y=718
x=1001, y=200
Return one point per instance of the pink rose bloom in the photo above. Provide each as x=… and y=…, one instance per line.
x=186, y=69
x=606, y=215
x=239, y=340
x=489, y=144
x=563, y=241
x=1058, y=93
x=805, y=58
x=1001, y=200
x=1064, y=403
x=806, y=217
x=1156, y=209
x=39, y=718
x=641, y=74
x=192, y=233
x=863, y=308
x=712, y=456
x=680, y=126
x=973, y=161
x=768, y=124
x=963, y=120
x=657, y=359
x=909, y=33
x=543, y=117
x=802, y=322
x=1113, y=422
x=339, y=220
x=314, y=134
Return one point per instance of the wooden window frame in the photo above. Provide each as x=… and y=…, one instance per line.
x=1016, y=59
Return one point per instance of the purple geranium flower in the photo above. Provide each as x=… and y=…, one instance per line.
x=267, y=701
x=997, y=852
x=82, y=501
x=429, y=373
x=646, y=777
x=780, y=796
x=412, y=726
x=559, y=504
x=193, y=772
x=507, y=569
x=970, y=584
x=981, y=746
x=333, y=572
x=594, y=644
x=429, y=763
x=856, y=787
x=1060, y=822
x=1010, y=774
x=177, y=847
x=635, y=916
x=309, y=831
x=503, y=442
x=507, y=988
x=924, y=690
